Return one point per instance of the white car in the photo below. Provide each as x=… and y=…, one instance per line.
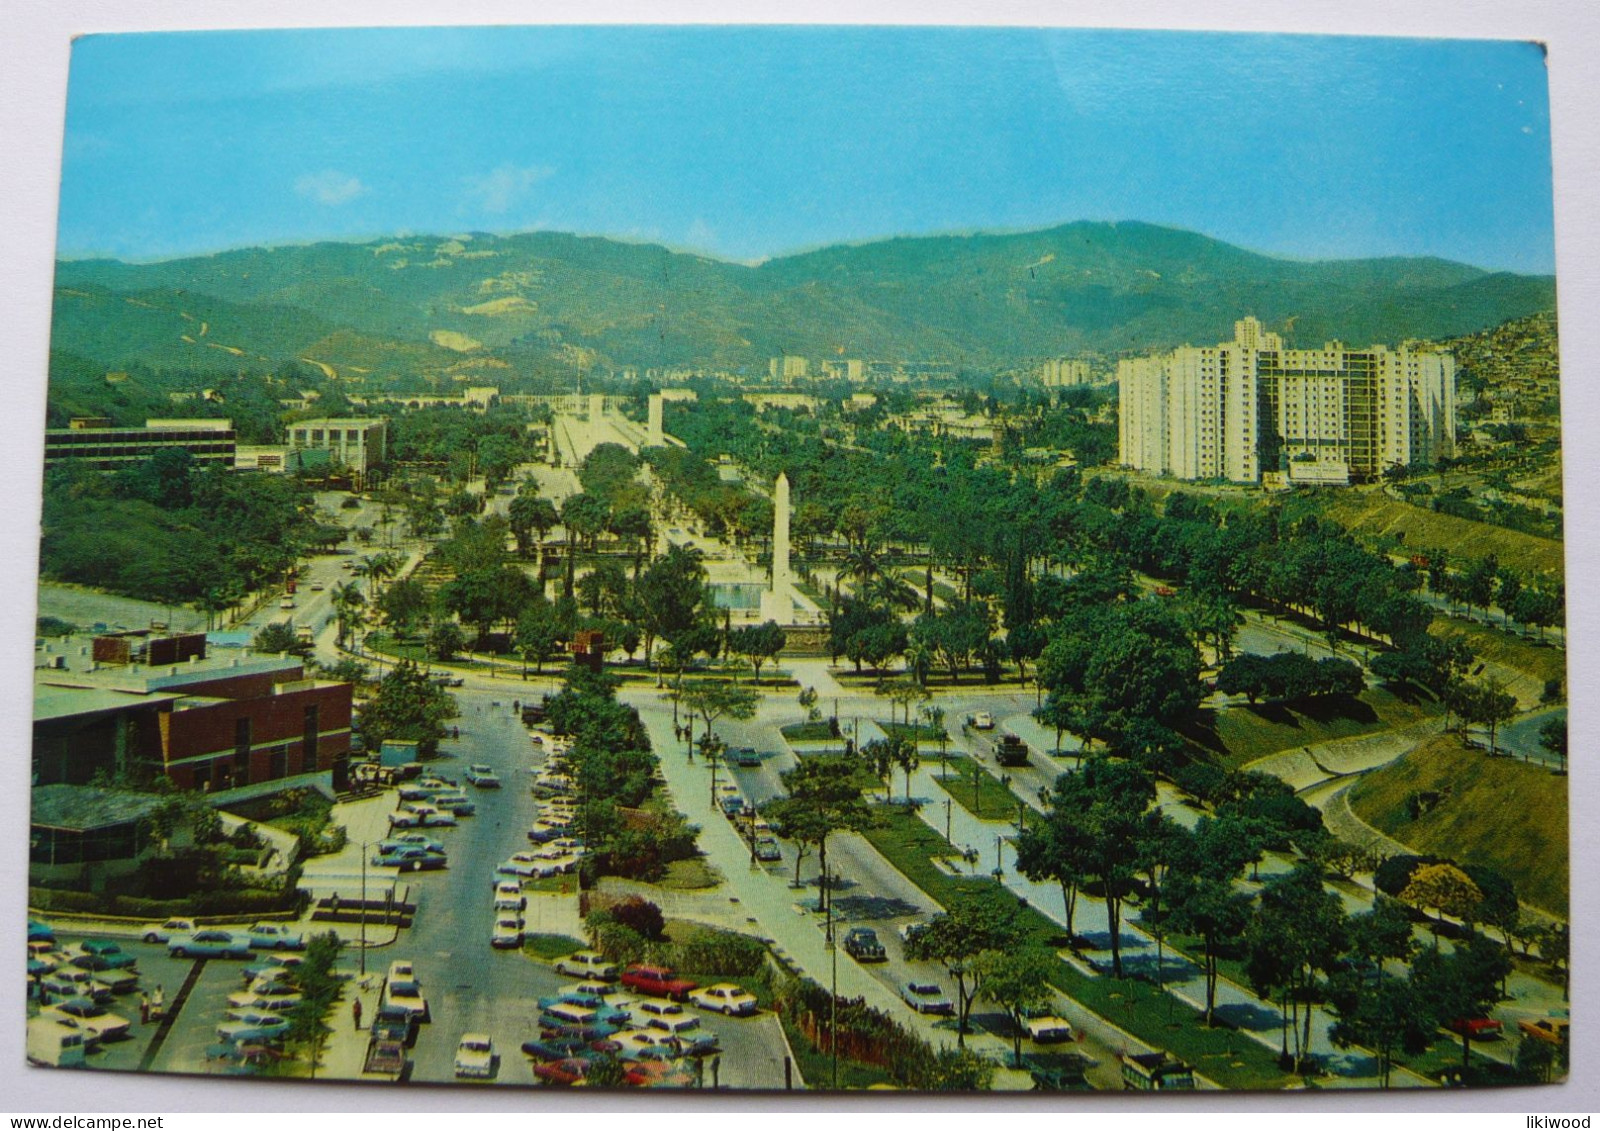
x=402, y=991
x=475, y=1056
x=161, y=932
x=508, y=896
x=507, y=934
x=521, y=864
x=658, y=1007
x=927, y=997
x=588, y=964
x=725, y=998
x=981, y=720
x=274, y=994
x=483, y=777
x=1046, y=1028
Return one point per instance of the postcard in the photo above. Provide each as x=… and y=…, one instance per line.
x=803, y=559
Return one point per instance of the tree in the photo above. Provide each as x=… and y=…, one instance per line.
x=1388, y=1016
x=758, y=643
x=407, y=705
x=670, y=595
x=280, y=638
x=1018, y=981
x=1446, y=889
x=714, y=700
x=347, y=604
x=1488, y=705
x=1295, y=940
x=531, y=515
x=1553, y=737
x=824, y=797
x=1106, y=801
x=585, y=516
x=538, y=633
x=446, y=641
x=959, y=939
x=1058, y=848
x=1465, y=983
x=403, y=605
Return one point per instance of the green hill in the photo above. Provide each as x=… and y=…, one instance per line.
x=551, y=299
x=1506, y=814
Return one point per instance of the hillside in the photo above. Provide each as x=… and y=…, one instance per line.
x=546, y=299
x=1494, y=811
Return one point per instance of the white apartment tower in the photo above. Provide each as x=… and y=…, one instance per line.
x=1241, y=408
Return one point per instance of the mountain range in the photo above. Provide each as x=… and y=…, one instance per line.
x=483, y=307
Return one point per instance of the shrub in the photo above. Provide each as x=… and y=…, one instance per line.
x=721, y=952
x=640, y=915
x=1392, y=876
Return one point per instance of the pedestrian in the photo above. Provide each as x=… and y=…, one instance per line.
x=144, y=1008
x=158, y=1003
x=355, y=1011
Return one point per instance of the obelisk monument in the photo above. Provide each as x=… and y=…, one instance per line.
x=777, y=603
x=653, y=437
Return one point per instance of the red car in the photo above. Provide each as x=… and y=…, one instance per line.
x=658, y=981
x=562, y=1073
x=1477, y=1028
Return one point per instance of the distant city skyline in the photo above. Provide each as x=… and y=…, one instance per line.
x=751, y=143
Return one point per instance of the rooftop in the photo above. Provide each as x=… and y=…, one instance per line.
x=80, y=808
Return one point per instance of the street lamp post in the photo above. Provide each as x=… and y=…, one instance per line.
x=999, y=867
x=948, y=802
x=364, y=909
x=833, y=999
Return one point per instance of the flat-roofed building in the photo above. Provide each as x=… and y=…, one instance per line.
x=357, y=442
x=1241, y=408
x=211, y=443
x=204, y=722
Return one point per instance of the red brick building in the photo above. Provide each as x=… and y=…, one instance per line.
x=209, y=723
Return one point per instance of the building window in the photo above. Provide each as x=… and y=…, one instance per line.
x=308, y=756
x=241, y=741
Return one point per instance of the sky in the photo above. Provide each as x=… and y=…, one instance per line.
x=746, y=143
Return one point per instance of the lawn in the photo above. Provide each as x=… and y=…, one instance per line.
x=1507, y=814
x=1160, y=1020
x=690, y=875
x=1542, y=662
x=820, y=731
x=1372, y=514
x=1240, y=734
x=550, y=947
x=977, y=790
x=918, y=732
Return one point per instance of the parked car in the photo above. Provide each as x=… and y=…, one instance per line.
x=483, y=776
x=425, y=816
x=508, y=896
x=658, y=981
x=544, y=1050
x=732, y=804
x=210, y=943
x=1045, y=1028
x=162, y=932
x=521, y=864
x=275, y=936
x=567, y=1072
x=55, y=1044
x=253, y=1025
x=561, y=1012
x=588, y=964
x=692, y=1038
x=102, y=954
x=767, y=850
x=411, y=840
x=403, y=991
x=475, y=1056
x=409, y=858
x=269, y=994
x=1477, y=1028
x=95, y=1020
x=1549, y=1029
x=272, y=967
x=40, y=932
x=455, y=803
x=726, y=998
x=71, y=981
x=927, y=997
x=861, y=944
x=507, y=933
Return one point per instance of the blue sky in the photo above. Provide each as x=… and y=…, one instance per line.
x=752, y=142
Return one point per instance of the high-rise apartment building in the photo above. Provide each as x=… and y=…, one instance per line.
x=1242, y=408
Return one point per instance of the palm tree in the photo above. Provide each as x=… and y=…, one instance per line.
x=347, y=604
x=889, y=589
